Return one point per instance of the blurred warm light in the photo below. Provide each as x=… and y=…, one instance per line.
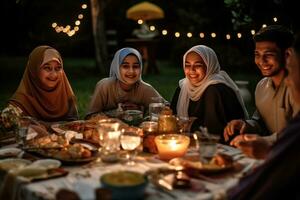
x=77, y=22
x=275, y=19
x=76, y=28
x=264, y=25
x=54, y=25
x=177, y=34
x=140, y=21
x=57, y=29
x=228, y=36
x=252, y=32
x=66, y=29
x=80, y=16
x=213, y=35
x=201, y=35
x=84, y=6
x=239, y=35
x=152, y=28
x=189, y=35
x=164, y=32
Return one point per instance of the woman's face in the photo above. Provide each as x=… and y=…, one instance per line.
x=194, y=68
x=130, y=69
x=293, y=78
x=50, y=74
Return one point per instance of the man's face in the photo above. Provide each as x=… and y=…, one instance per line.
x=268, y=58
x=293, y=78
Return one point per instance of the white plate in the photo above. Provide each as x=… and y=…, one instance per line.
x=47, y=163
x=13, y=163
x=32, y=172
x=10, y=152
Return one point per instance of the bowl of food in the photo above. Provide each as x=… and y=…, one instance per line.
x=133, y=117
x=127, y=185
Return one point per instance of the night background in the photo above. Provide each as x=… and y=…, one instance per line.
x=26, y=24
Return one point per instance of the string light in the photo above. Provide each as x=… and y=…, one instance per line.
x=228, y=36
x=177, y=34
x=164, y=32
x=140, y=21
x=275, y=19
x=189, y=35
x=252, y=32
x=68, y=28
x=239, y=35
x=152, y=28
x=202, y=35
x=213, y=35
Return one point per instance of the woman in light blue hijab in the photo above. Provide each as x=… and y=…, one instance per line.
x=124, y=85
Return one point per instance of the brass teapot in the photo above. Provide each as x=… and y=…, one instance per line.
x=167, y=122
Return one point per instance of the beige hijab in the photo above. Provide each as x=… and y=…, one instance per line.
x=37, y=101
x=213, y=76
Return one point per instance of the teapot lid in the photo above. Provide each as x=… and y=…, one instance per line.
x=166, y=111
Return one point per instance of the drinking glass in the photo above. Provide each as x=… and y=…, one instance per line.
x=183, y=124
x=109, y=140
x=207, y=145
x=130, y=140
x=207, y=150
x=158, y=103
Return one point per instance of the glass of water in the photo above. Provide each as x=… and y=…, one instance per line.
x=130, y=141
x=157, y=105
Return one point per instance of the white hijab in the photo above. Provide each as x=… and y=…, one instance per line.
x=213, y=76
x=118, y=59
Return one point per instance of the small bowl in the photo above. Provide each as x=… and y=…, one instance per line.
x=127, y=185
x=133, y=117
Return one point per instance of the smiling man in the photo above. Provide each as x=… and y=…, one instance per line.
x=276, y=177
x=274, y=104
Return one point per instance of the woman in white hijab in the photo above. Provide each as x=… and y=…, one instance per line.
x=206, y=93
x=124, y=85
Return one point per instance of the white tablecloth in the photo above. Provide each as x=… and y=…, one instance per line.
x=85, y=179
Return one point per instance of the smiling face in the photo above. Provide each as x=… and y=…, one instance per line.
x=130, y=70
x=269, y=58
x=194, y=67
x=293, y=78
x=50, y=74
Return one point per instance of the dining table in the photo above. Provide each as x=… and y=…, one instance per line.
x=84, y=179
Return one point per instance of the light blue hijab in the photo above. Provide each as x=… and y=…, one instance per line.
x=118, y=59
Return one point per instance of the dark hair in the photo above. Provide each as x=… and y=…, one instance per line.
x=281, y=35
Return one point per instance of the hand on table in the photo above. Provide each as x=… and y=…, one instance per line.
x=232, y=126
x=252, y=145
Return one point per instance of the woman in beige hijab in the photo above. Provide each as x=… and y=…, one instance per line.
x=207, y=93
x=45, y=92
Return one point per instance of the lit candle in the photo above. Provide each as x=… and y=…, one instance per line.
x=171, y=145
x=149, y=133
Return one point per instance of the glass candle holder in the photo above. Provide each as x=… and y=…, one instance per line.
x=171, y=145
x=150, y=129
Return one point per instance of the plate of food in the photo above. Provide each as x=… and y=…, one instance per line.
x=86, y=130
x=71, y=154
x=35, y=173
x=13, y=163
x=192, y=166
x=9, y=152
x=76, y=126
x=47, y=163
